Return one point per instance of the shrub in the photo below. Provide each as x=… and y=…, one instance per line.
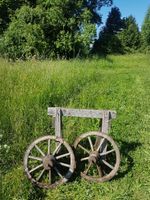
x=24, y=38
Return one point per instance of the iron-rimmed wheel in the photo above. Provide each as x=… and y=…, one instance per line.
x=49, y=161
x=100, y=162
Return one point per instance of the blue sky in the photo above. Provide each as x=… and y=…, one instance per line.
x=137, y=8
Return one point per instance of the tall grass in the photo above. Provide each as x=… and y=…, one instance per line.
x=121, y=83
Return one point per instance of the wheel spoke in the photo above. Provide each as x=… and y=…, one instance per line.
x=42, y=172
x=107, y=152
x=58, y=172
x=83, y=148
x=91, y=145
x=86, y=158
x=48, y=150
x=89, y=165
x=99, y=171
x=57, y=148
x=105, y=149
x=64, y=164
x=39, y=150
x=106, y=163
x=62, y=156
x=50, y=176
x=39, y=166
x=102, y=140
x=35, y=158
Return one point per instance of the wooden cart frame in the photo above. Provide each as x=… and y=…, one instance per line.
x=102, y=151
x=58, y=113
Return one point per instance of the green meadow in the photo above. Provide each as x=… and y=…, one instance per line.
x=28, y=88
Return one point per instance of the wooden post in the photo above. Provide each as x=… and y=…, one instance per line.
x=105, y=122
x=105, y=128
x=58, y=122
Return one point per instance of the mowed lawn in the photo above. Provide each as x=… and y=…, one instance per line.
x=120, y=83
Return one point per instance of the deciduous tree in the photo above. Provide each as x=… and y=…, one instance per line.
x=146, y=30
x=66, y=28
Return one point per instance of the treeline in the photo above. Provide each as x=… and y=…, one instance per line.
x=122, y=35
x=67, y=29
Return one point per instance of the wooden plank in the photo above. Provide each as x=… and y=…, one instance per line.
x=105, y=122
x=81, y=112
x=58, y=122
x=105, y=129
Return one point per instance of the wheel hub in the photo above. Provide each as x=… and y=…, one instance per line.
x=93, y=157
x=48, y=162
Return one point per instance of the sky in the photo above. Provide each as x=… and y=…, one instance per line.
x=137, y=8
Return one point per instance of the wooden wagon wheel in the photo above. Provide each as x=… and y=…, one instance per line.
x=100, y=162
x=49, y=161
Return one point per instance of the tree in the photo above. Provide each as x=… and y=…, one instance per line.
x=146, y=30
x=108, y=41
x=94, y=6
x=114, y=22
x=66, y=28
x=130, y=35
x=24, y=37
x=8, y=8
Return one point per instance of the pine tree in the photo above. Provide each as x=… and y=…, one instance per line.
x=114, y=21
x=108, y=42
x=130, y=35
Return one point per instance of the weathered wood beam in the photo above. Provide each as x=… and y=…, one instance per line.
x=52, y=111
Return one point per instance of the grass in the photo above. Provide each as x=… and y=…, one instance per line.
x=121, y=83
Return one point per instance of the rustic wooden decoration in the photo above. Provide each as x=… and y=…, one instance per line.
x=50, y=160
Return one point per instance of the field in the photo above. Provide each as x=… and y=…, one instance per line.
x=120, y=83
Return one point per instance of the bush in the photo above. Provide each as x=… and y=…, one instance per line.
x=24, y=38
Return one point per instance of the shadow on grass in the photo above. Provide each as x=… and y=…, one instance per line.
x=126, y=165
x=36, y=193
x=127, y=161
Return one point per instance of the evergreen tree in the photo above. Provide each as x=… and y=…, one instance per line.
x=114, y=21
x=146, y=30
x=130, y=35
x=108, y=42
